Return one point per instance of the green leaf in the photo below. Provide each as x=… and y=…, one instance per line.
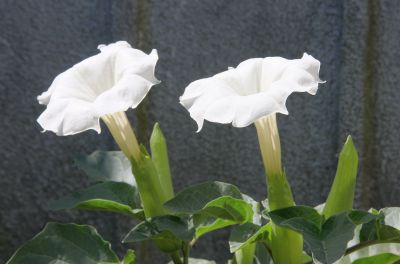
x=106, y=166
x=205, y=224
x=385, y=258
x=262, y=256
x=159, y=155
x=118, y=197
x=297, y=214
x=341, y=196
x=326, y=239
x=65, y=243
x=167, y=231
x=209, y=202
x=369, y=231
x=256, y=208
x=193, y=199
x=383, y=228
x=229, y=208
x=130, y=257
x=197, y=261
x=248, y=233
x=330, y=244
x=359, y=217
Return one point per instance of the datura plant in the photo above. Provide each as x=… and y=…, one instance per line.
x=136, y=182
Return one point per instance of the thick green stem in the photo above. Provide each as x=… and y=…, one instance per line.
x=176, y=258
x=286, y=245
x=185, y=252
x=246, y=254
x=369, y=243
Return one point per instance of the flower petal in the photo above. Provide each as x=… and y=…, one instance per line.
x=127, y=93
x=242, y=111
x=245, y=78
x=256, y=88
x=68, y=117
x=114, y=80
x=198, y=97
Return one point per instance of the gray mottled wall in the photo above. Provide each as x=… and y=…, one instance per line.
x=357, y=43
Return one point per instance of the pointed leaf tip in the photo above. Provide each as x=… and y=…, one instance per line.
x=159, y=153
x=341, y=195
x=157, y=132
x=157, y=125
x=349, y=148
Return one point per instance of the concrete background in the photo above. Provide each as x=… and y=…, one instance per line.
x=357, y=43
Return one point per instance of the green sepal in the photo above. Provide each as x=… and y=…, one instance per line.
x=286, y=244
x=150, y=188
x=341, y=195
x=279, y=192
x=159, y=155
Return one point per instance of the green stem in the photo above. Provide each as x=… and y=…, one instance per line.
x=286, y=245
x=367, y=244
x=176, y=258
x=191, y=243
x=185, y=252
x=246, y=254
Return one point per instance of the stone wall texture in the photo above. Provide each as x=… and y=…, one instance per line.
x=357, y=43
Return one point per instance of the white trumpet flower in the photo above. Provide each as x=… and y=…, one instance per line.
x=102, y=86
x=254, y=89
x=254, y=92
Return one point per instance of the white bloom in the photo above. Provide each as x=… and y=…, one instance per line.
x=256, y=88
x=112, y=81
